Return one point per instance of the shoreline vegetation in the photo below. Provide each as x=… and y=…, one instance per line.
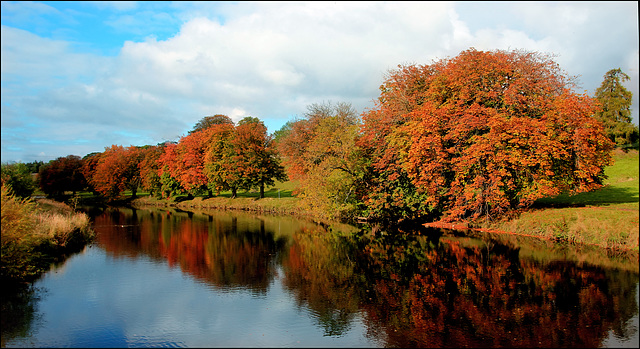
x=607, y=217
x=37, y=233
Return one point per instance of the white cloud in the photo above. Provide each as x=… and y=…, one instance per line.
x=271, y=60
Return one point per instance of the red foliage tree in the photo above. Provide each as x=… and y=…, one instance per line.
x=167, y=163
x=116, y=170
x=62, y=174
x=481, y=134
x=185, y=161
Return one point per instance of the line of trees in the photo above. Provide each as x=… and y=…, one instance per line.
x=481, y=134
x=216, y=155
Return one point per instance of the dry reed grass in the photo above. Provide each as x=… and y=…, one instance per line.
x=34, y=232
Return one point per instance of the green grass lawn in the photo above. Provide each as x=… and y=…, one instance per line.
x=606, y=217
x=620, y=188
x=277, y=199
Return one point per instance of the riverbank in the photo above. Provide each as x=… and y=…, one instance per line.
x=37, y=233
x=287, y=206
x=607, y=217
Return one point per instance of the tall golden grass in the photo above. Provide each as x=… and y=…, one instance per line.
x=36, y=232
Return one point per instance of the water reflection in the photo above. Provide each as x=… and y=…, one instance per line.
x=217, y=248
x=400, y=289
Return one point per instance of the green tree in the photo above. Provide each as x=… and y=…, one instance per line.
x=220, y=161
x=34, y=167
x=209, y=121
x=320, y=151
x=17, y=177
x=615, y=113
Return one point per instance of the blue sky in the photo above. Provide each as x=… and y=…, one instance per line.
x=80, y=76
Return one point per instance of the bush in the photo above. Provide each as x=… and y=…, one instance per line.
x=17, y=177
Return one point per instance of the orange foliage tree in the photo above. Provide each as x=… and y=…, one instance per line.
x=115, y=170
x=256, y=156
x=479, y=135
x=184, y=161
x=169, y=185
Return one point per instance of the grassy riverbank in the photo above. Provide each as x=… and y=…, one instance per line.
x=607, y=217
x=36, y=233
x=278, y=199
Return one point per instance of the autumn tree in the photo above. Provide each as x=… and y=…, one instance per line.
x=62, y=174
x=256, y=155
x=320, y=151
x=116, y=170
x=89, y=163
x=479, y=135
x=615, y=108
x=148, y=168
x=184, y=161
x=169, y=185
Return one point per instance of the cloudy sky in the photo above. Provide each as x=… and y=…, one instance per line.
x=80, y=76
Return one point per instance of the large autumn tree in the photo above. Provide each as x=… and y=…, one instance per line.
x=479, y=135
x=615, y=108
x=208, y=121
x=149, y=168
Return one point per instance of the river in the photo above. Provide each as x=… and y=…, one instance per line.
x=170, y=278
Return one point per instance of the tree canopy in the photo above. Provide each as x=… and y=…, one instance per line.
x=209, y=121
x=320, y=151
x=62, y=174
x=480, y=134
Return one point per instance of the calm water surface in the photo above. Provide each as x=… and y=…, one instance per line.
x=167, y=278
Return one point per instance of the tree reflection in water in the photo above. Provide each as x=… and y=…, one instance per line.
x=439, y=291
x=430, y=289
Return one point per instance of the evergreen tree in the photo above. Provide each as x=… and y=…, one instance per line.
x=615, y=113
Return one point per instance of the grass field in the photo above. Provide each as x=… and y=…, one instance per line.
x=606, y=217
x=278, y=199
